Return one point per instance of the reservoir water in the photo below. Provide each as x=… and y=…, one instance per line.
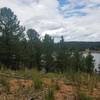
x=96, y=58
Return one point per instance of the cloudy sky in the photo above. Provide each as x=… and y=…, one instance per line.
x=76, y=20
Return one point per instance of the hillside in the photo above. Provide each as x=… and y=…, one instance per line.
x=83, y=45
x=33, y=85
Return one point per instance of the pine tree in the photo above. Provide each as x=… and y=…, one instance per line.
x=34, y=44
x=48, y=48
x=11, y=34
x=89, y=61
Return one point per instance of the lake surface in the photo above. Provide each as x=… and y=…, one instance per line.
x=96, y=58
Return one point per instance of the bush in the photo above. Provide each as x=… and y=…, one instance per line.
x=37, y=80
x=5, y=84
x=50, y=94
x=37, y=83
x=83, y=96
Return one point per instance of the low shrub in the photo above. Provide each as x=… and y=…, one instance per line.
x=50, y=94
x=83, y=96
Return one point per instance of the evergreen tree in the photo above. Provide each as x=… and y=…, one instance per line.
x=48, y=48
x=61, y=55
x=89, y=61
x=34, y=44
x=11, y=33
x=77, y=60
x=63, y=58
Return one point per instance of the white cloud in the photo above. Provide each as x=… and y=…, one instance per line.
x=45, y=17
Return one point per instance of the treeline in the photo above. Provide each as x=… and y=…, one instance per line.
x=20, y=48
x=83, y=45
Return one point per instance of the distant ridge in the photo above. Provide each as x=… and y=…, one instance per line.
x=83, y=45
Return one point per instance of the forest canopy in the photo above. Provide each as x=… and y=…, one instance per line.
x=17, y=51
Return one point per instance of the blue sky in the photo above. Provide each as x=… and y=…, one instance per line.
x=77, y=20
x=77, y=8
x=63, y=2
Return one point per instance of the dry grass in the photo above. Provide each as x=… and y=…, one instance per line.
x=33, y=84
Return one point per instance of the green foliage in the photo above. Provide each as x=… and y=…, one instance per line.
x=50, y=94
x=34, y=45
x=12, y=33
x=83, y=96
x=48, y=49
x=37, y=83
x=5, y=84
x=89, y=61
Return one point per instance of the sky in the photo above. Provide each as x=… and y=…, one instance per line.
x=76, y=20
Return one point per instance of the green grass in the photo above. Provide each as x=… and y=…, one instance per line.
x=83, y=96
x=5, y=84
x=50, y=94
x=38, y=83
x=79, y=80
